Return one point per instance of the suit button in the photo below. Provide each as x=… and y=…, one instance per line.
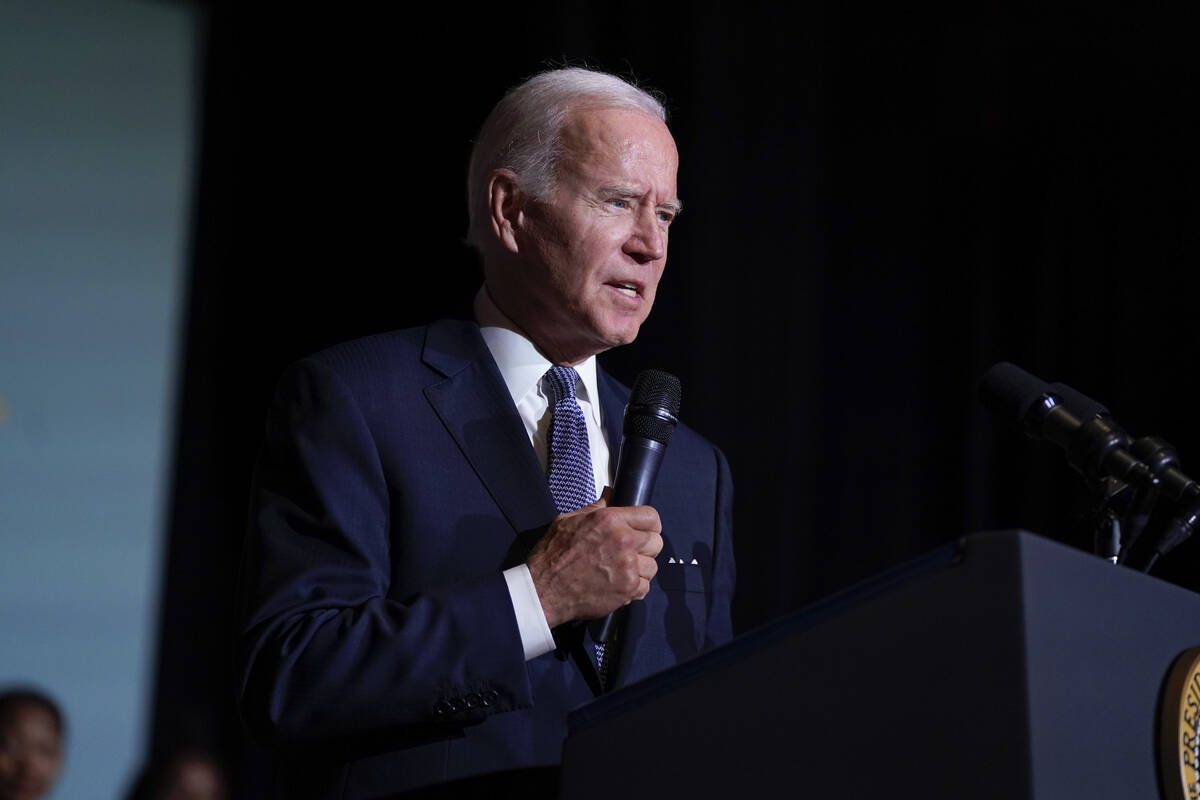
x=473, y=700
x=441, y=709
x=491, y=695
x=457, y=704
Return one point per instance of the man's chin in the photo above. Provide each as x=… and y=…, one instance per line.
x=618, y=337
x=593, y=342
x=621, y=330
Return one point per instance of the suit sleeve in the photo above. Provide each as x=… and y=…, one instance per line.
x=720, y=623
x=324, y=653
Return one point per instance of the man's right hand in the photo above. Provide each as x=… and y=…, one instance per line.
x=595, y=560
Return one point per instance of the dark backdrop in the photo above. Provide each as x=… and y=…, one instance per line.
x=878, y=207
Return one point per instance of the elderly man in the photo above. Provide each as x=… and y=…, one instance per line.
x=428, y=530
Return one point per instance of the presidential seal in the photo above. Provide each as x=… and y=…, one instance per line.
x=1179, y=731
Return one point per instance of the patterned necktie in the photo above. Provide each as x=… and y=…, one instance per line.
x=569, y=462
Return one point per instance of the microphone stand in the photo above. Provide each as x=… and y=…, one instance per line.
x=1175, y=532
x=1127, y=477
x=1107, y=531
x=1120, y=516
x=1124, y=507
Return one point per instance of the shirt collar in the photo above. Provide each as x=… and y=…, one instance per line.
x=521, y=364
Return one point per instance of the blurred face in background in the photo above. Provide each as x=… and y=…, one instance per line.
x=30, y=752
x=194, y=777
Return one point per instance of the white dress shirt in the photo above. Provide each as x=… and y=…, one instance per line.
x=522, y=367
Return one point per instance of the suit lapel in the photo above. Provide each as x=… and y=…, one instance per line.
x=474, y=405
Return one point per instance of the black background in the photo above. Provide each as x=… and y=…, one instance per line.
x=879, y=205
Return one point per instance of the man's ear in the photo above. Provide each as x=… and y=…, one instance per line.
x=506, y=203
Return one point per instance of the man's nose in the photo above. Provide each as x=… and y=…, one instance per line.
x=647, y=241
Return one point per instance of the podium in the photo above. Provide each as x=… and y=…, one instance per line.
x=1001, y=666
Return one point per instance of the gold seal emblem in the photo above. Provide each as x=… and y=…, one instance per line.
x=1179, y=739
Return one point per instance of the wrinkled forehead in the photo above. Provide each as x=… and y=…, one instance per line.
x=621, y=134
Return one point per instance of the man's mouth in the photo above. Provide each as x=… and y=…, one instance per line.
x=627, y=289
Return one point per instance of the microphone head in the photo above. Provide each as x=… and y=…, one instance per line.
x=1010, y=392
x=653, y=408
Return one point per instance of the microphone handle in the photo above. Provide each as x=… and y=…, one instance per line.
x=637, y=470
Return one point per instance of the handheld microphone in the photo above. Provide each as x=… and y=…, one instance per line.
x=650, y=419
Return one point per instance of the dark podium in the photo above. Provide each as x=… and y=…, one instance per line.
x=1001, y=666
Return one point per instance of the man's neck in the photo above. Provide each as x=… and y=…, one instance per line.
x=489, y=313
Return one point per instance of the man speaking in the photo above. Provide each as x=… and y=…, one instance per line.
x=429, y=532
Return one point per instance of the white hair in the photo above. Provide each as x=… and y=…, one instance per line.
x=523, y=133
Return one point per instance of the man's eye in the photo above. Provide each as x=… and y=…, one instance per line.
x=665, y=217
x=617, y=202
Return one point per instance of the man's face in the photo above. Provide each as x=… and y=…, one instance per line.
x=591, y=255
x=30, y=753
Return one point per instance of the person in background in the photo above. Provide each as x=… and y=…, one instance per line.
x=32, y=731
x=184, y=775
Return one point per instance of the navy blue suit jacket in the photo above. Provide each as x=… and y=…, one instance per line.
x=378, y=646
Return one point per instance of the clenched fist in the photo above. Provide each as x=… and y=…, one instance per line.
x=595, y=560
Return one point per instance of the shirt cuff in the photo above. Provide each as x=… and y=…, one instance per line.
x=531, y=620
